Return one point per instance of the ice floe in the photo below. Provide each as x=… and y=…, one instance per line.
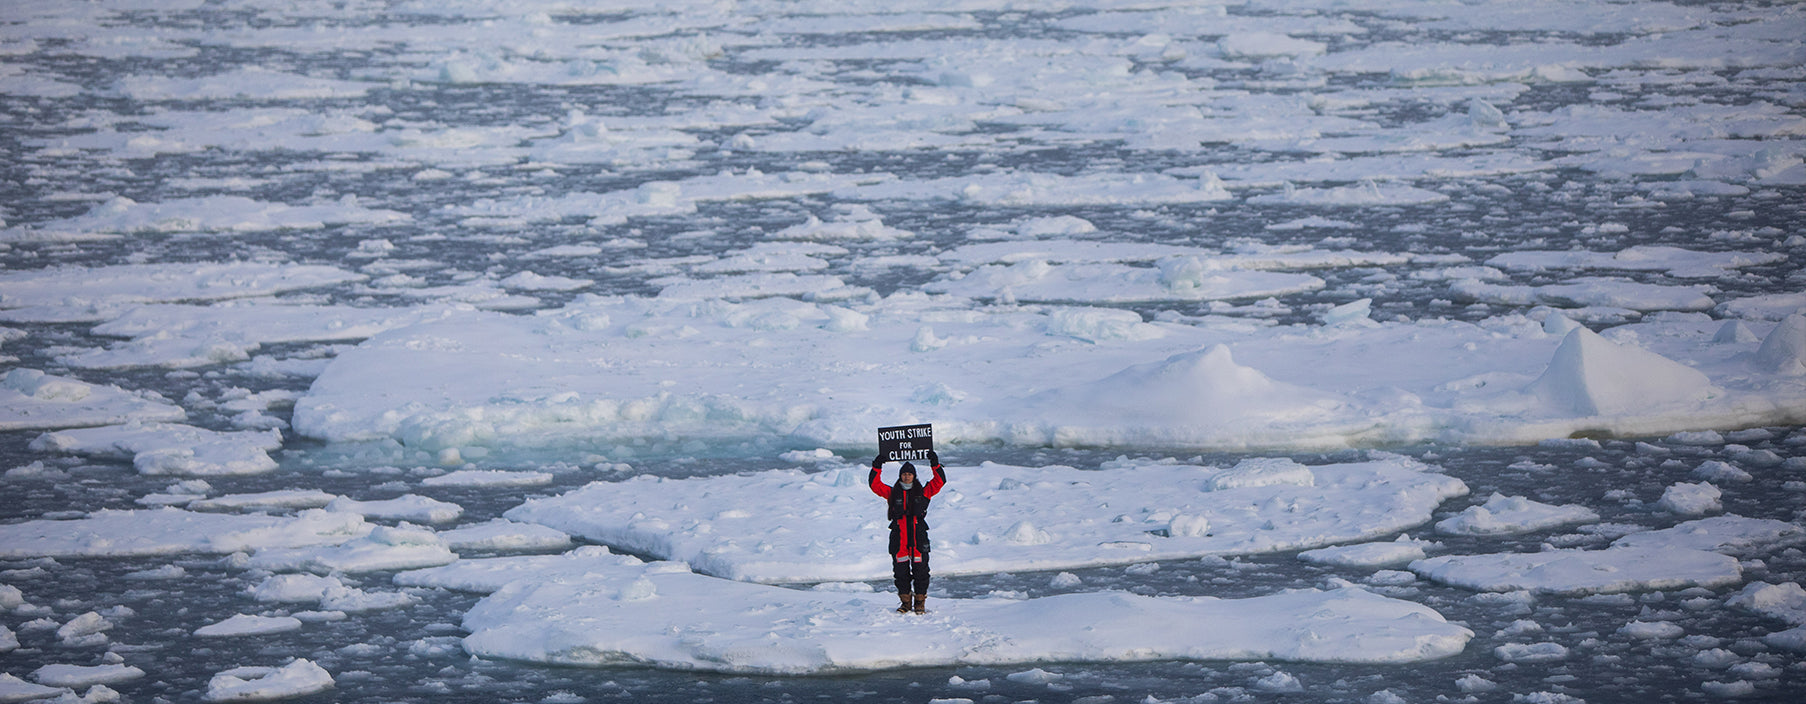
x=33, y=400
x=1019, y=374
x=171, y=531
x=1615, y=569
x=624, y=612
x=84, y=294
x=254, y=683
x=170, y=448
x=1502, y=515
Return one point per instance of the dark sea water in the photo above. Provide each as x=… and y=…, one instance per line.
x=412, y=654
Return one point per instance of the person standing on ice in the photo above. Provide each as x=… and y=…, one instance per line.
x=908, y=500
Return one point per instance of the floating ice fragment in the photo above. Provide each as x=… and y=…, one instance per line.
x=240, y=684
x=1690, y=499
x=1616, y=569
x=244, y=625
x=1504, y=515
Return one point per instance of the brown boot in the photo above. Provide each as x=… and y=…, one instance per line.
x=908, y=602
x=921, y=604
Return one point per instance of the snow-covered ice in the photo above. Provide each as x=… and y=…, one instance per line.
x=998, y=518
x=664, y=614
x=173, y=531
x=259, y=683
x=1513, y=514
x=1615, y=569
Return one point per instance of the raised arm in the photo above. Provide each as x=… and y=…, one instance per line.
x=876, y=480
x=940, y=478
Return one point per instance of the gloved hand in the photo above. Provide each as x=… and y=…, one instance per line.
x=878, y=462
x=933, y=459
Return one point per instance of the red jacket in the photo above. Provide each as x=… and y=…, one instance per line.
x=908, y=511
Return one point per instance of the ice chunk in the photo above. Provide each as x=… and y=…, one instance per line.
x=13, y=689
x=503, y=534
x=1690, y=499
x=171, y=449
x=78, y=676
x=406, y=508
x=1504, y=515
x=1733, y=535
x=1616, y=569
x=1783, y=601
x=1720, y=472
x=33, y=400
x=1590, y=375
x=279, y=499
x=1369, y=555
x=384, y=548
x=169, y=531
x=243, y=625
x=241, y=684
x=488, y=478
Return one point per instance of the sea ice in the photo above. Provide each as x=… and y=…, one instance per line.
x=408, y=507
x=33, y=400
x=995, y=518
x=503, y=534
x=1616, y=569
x=84, y=676
x=1504, y=515
x=1397, y=553
x=122, y=216
x=13, y=689
x=94, y=294
x=244, y=625
x=1016, y=374
x=488, y=478
x=170, y=448
x=166, y=531
x=384, y=548
x=243, y=684
x=625, y=613
x=1732, y=535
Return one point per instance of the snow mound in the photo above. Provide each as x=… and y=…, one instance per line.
x=1592, y=376
x=1203, y=391
x=995, y=518
x=1784, y=350
x=1261, y=471
x=663, y=616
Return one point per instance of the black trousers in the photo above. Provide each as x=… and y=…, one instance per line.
x=912, y=576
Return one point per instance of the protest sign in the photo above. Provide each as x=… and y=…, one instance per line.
x=903, y=443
